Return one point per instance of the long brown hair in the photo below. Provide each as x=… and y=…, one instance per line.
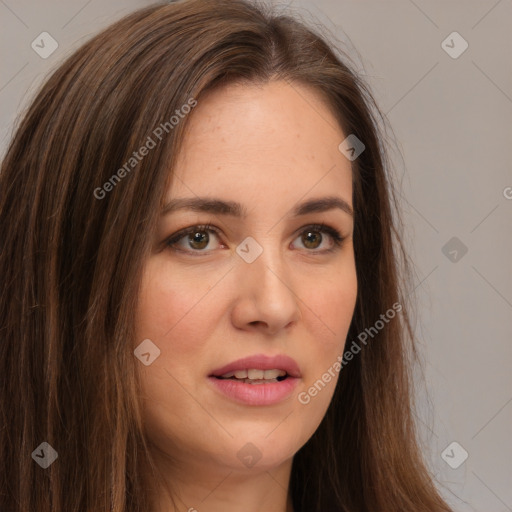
x=73, y=250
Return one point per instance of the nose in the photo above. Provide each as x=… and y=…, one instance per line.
x=266, y=296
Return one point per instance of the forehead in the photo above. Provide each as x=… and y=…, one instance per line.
x=262, y=140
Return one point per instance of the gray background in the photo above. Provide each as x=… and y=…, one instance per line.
x=452, y=119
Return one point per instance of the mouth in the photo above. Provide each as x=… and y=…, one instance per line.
x=255, y=376
x=257, y=380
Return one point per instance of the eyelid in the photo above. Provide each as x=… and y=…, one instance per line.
x=196, y=227
x=336, y=236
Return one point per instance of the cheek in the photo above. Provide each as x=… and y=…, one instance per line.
x=330, y=311
x=332, y=304
x=329, y=318
x=336, y=307
x=170, y=307
x=175, y=312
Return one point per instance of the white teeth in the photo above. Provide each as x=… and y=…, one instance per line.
x=254, y=374
x=273, y=374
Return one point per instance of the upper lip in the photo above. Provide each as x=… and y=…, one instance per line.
x=261, y=362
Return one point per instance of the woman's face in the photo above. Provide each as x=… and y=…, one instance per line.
x=259, y=285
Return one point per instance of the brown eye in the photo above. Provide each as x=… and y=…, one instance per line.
x=311, y=239
x=198, y=239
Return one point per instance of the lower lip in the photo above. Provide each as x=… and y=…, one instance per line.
x=256, y=394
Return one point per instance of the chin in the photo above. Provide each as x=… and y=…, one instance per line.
x=262, y=450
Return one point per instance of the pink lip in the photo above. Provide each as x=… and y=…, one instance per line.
x=258, y=394
x=261, y=362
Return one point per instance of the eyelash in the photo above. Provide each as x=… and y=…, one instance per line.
x=176, y=237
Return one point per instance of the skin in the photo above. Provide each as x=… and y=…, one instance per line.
x=268, y=147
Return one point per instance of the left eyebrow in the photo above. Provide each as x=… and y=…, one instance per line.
x=234, y=209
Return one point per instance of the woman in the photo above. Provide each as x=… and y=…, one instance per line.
x=202, y=304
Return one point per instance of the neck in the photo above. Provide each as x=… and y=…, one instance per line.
x=203, y=487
